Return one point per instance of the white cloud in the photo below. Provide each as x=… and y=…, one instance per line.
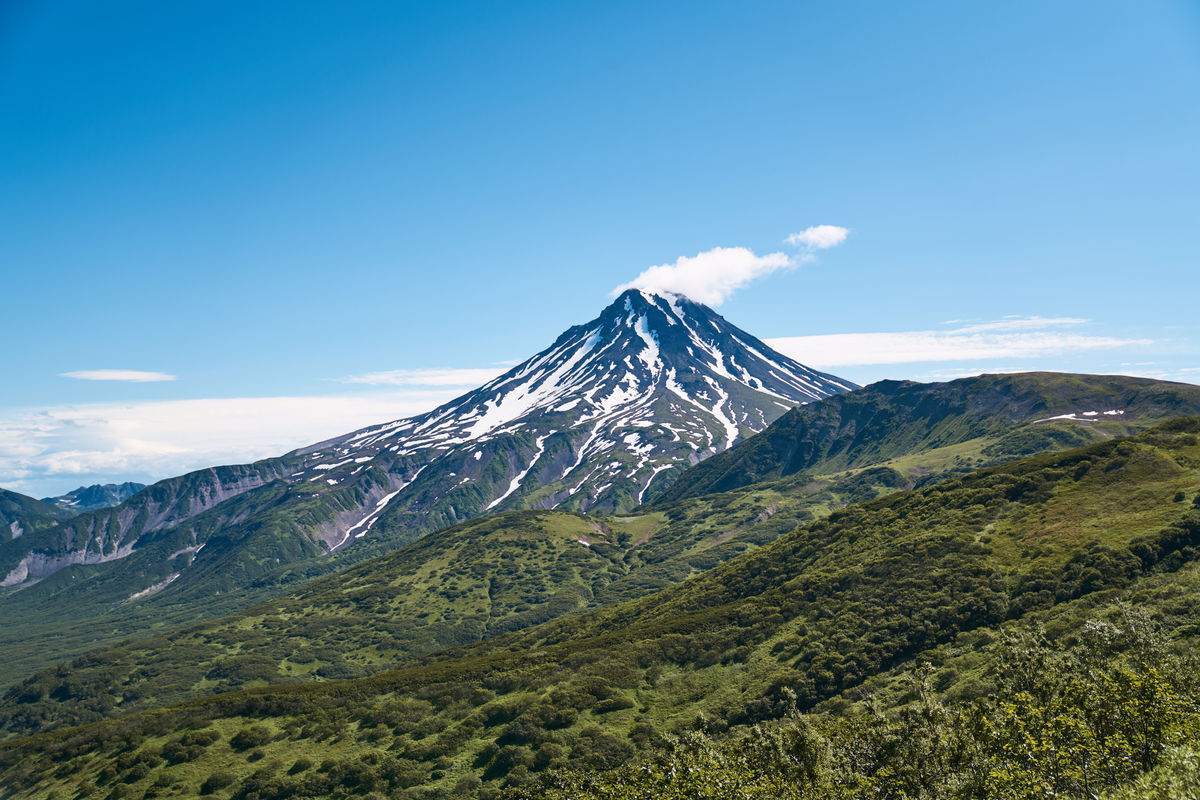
x=712, y=276
x=1013, y=337
x=49, y=451
x=430, y=377
x=819, y=237
x=709, y=277
x=130, y=375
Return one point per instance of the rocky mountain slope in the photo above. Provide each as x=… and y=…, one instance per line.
x=20, y=515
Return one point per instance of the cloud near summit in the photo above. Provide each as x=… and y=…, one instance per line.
x=713, y=276
x=709, y=277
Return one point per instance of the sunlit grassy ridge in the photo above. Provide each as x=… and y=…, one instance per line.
x=838, y=604
x=928, y=429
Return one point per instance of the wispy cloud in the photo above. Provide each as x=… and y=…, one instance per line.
x=819, y=237
x=49, y=451
x=129, y=375
x=1016, y=323
x=448, y=376
x=1012, y=337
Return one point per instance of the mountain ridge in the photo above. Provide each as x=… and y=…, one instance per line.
x=21, y=514
x=1008, y=414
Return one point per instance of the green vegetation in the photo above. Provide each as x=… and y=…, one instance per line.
x=935, y=430
x=828, y=620
x=469, y=582
x=1120, y=709
x=20, y=515
x=262, y=536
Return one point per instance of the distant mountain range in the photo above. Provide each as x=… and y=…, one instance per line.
x=96, y=496
x=610, y=413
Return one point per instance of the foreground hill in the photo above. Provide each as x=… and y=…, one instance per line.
x=833, y=606
x=923, y=428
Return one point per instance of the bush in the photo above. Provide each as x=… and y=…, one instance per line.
x=216, y=781
x=247, y=738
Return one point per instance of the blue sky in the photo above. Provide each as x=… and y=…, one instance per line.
x=264, y=200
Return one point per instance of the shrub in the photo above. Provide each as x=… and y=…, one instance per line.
x=247, y=738
x=216, y=781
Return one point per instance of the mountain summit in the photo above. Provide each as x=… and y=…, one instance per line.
x=613, y=408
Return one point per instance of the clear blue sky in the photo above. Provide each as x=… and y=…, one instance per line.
x=262, y=198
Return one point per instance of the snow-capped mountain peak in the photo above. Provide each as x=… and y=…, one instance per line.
x=655, y=383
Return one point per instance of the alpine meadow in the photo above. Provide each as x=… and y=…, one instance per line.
x=478, y=401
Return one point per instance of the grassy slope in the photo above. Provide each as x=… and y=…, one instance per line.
x=29, y=514
x=836, y=604
x=249, y=545
x=936, y=429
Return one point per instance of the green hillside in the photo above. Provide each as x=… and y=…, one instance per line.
x=930, y=430
x=835, y=607
x=464, y=584
x=238, y=551
x=20, y=515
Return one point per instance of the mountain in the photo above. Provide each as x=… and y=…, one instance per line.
x=931, y=429
x=96, y=496
x=835, y=609
x=612, y=410
x=20, y=515
x=113, y=534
